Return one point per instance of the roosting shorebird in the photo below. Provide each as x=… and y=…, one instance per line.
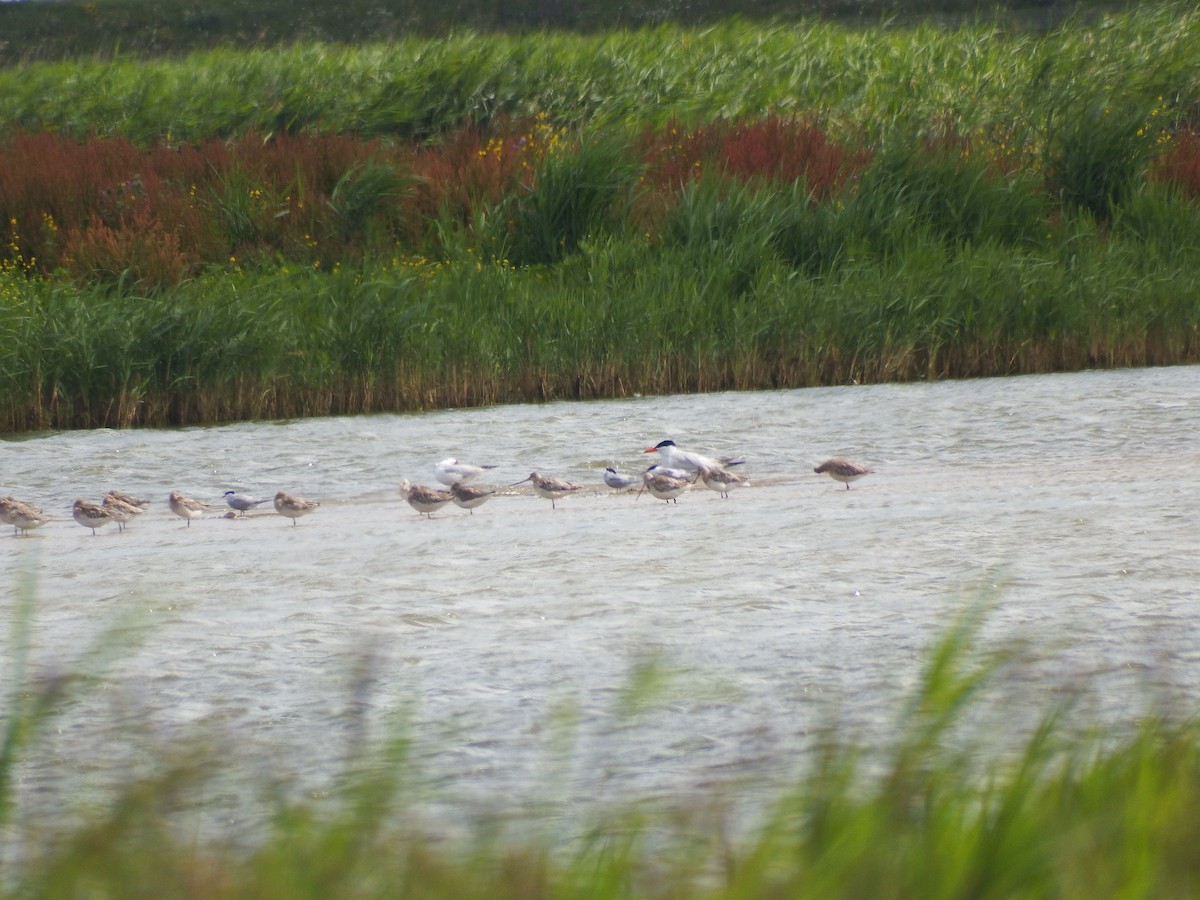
x=842, y=470
x=293, y=507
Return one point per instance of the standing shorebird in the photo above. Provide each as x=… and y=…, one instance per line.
x=89, y=515
x=721, y=480
x=451, y=471
x=6, y=504
x=664, y=487
x=242, y=502
x=677, y=458
x=550, y=488
x=126, y=498
x=185, y=507
x=842, y=470
x=120, y=511
x=425, y=500
x=23, y=517
x=617, y=481
x=293, y=507
x=469, y=497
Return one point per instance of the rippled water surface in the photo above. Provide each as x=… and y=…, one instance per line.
x=503, y=643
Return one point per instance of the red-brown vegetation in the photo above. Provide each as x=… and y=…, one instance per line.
x=104, y=208
x=1180, y=165
x=771, y=149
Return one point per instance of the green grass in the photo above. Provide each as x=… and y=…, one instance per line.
x=498, y=217
x=705, y=308
x=74, y=28
x=881, y=79
x=1058, y=805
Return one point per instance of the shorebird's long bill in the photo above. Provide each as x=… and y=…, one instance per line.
x=522, y=481
x=650, y=450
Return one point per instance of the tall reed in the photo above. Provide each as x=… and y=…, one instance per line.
x=564, y=245
x=886, y=80
x=707, y=306
x=74, y=28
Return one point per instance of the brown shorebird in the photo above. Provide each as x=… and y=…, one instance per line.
x=126, y=498
x=120, y=510
x=425, y=500
x=185, y=507
x=550, y=488
x=721, y=480
x=843, y=470
x=293, y=507
x=469, y=497
x=89, y=515
x=664, y=487
x=21, y=516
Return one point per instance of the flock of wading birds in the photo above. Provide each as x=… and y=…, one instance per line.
x=678, y=471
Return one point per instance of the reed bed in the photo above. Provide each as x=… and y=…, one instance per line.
x=74, y=28
x=1060, y=806
x=485, y=219
x=886, y=80
x=697, y=311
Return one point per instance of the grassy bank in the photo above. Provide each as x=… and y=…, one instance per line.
x=694, y=312
x=491, y=218
x=73, y=28
x=943, y=808
x=871, y=80
x=909, y=266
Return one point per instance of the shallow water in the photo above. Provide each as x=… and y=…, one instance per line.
x=503, y=643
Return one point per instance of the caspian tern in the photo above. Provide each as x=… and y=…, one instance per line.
x=676, y=458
